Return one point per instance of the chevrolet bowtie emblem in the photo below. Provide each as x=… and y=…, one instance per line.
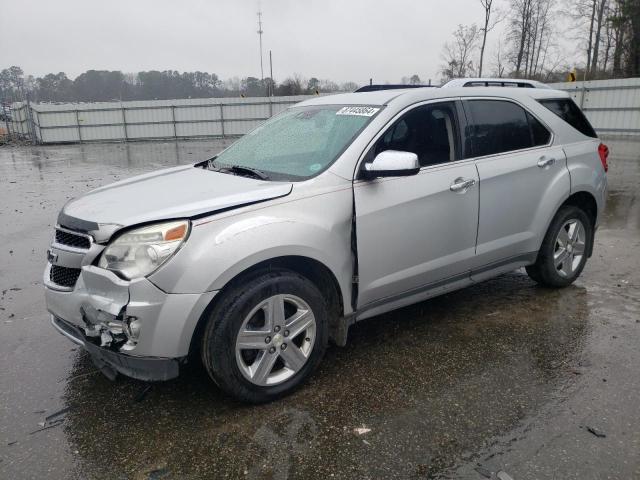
x=52, y=257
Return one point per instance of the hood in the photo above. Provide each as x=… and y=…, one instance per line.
x=179, y=192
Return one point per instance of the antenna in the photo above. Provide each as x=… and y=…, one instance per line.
x=260, y=32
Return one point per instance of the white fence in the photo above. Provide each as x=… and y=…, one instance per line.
x=146, y=120
x=612, y=106
x=16, y=121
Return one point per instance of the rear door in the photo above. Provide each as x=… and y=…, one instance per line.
x=415, y=231
x=523, y=179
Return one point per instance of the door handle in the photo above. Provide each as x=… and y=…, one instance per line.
x=545, y=162
x=461, y=185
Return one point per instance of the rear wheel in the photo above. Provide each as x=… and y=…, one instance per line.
x=266, y=336
x=563, y=253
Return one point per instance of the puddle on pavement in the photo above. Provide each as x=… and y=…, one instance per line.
x=431, y=382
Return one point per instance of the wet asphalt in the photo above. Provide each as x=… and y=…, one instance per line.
x=501, y=380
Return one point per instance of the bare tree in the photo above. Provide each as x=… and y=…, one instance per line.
x=499, y=61
x=608, y=39
x=589, y=19
x=458, y=52
x=599, y=20
x=489, y=25
x=529, y=35
x=412, y=80
x=520, y=24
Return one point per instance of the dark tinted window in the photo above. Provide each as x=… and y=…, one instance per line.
x=429, y=131
x=567, y=110
x=541, y=136
x=498, y=126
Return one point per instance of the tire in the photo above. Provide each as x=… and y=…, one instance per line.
x=283, y=359
x=557, y=246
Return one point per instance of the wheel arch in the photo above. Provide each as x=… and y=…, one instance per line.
x=586, y=202
x=310, y=268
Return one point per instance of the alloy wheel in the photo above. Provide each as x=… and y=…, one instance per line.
x=569, y=247
x=275, y=340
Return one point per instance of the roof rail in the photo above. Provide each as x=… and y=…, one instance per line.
x=494, y=82
x=397, y=86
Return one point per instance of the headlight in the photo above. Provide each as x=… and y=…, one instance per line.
x=139, y=252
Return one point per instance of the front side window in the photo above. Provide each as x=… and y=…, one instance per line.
x=499, y=126
x=300, y=142
x=567, y=110
x=429, y=131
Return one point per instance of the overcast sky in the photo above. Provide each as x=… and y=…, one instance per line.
x=335, y=39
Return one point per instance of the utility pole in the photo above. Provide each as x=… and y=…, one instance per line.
x=271, y=83
x=260, y=32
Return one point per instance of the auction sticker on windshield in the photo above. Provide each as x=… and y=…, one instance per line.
x=359, y=111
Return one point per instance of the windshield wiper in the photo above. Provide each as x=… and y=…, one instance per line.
x=254, y=172
x=238, y=170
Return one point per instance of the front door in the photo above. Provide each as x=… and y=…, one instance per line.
x=416, y=231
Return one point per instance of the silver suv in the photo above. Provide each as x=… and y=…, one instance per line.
x=338, y=209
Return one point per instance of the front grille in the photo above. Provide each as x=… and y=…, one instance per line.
x=71, y=239
x=64, y=276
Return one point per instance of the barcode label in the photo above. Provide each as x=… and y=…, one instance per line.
x=359, y=111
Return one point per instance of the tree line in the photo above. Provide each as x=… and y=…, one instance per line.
x=103, y=85
x=606, y=35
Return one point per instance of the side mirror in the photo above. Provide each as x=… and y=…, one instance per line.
x=392, y=163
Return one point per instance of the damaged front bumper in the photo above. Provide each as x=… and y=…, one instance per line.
x=110, y=363
x=130, y=327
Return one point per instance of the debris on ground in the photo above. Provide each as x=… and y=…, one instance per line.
x=361, y=430
x=51, y=421
x=47, y=427
x=60, y=412
x=483, y=471
x=502, y=475
x=596, y=432
x=158, y=473
x=143, y=393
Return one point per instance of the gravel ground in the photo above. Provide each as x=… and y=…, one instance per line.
x=501, y=380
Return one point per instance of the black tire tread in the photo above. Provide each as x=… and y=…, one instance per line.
x=543, y=271
x=217, y=336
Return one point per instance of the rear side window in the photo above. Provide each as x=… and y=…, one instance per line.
x=541, y=136
x=567, y=110
x=499, y=126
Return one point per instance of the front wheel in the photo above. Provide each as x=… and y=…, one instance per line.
x=266, y=336
x=564, y=250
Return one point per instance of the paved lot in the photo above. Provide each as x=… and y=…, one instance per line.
x=501, y=376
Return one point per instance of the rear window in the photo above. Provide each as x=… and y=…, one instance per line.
x=567, y=110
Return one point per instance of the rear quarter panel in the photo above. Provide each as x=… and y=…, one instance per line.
x=587, y=174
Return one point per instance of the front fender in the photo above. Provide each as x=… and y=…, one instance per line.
x=220, y=248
